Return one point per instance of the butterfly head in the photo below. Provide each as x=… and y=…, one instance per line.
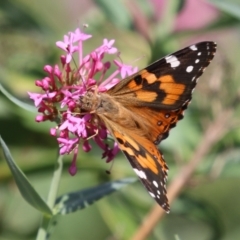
x=89, y=101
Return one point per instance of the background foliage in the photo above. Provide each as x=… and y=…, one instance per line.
x=208, y=204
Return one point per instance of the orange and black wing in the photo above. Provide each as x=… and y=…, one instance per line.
x=147, y=162
x=166, y=84
x=158, y=95
x=162, y=91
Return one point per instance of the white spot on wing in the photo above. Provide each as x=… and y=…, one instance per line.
x=172, y=60
x=197, y=61
x=152, y=195
x=193, y=47
x=140, y=173
x=189, y=69
x=155, y=184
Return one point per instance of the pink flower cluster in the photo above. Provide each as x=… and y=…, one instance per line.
x=62, y=88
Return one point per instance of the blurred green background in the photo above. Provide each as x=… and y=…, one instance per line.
x=208, y=207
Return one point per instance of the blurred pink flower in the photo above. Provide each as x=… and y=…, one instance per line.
x=195, y=14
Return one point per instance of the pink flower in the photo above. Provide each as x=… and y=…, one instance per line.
x=107, y=47
x=68, y=43
x=193, y=15
x=125, y=70
x=63, y=87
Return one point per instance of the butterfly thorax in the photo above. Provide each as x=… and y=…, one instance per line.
x=108, y=109
x=98, y=103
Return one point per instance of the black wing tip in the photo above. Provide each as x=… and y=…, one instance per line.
x=210, y=44
x=165, y=206
x=166, y=209
x=205, y=43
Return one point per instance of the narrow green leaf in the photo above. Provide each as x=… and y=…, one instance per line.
x=177, y=237
x=230, y=7
x=166, y=25
x=74, y=201
x=26, y=189
x=116, y=12
x=19, y=103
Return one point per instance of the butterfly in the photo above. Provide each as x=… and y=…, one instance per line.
x=140, y=110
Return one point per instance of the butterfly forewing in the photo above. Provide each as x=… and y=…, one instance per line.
x=140, y=110
x=167, y=83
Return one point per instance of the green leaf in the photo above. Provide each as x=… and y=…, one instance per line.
x=74, y=201
x=26, y=189
x=19, y=103
x=167, y=19
x=230, y=7
x=116, y=12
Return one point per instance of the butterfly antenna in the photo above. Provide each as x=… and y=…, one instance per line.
x=119, y=56
x=137, y=59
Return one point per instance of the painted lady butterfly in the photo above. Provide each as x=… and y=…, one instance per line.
x=140, y=110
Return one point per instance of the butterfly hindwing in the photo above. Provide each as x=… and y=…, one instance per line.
x=159, y=123
x=147, y=162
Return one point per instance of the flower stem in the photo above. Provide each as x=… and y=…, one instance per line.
x=43, y=230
